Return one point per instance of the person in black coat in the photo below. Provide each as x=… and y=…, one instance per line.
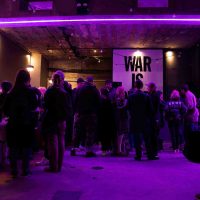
x=106, y=120
x=140, y=109
x=156, y=117
x=87, y=107
x=19, y=107
x=57, y=106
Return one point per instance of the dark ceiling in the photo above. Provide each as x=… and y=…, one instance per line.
x=11, y=8
x=81, y=41
x=84, y=39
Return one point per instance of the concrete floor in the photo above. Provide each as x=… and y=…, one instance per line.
x=104, y=178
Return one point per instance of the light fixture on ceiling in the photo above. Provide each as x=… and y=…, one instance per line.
x=138, y=53
x=50, y=50
x=94, y=50
x=169, y=54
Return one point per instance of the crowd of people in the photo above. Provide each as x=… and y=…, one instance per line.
x=83, y=117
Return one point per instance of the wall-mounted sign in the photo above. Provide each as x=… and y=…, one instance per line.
x=131, y=64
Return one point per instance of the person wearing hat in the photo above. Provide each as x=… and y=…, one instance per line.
x=76, y=137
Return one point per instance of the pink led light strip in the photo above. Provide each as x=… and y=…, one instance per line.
x=75, y=19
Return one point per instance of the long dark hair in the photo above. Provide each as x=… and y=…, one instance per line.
x=22, y=78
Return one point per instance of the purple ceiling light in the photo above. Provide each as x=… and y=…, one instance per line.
x=66, y=20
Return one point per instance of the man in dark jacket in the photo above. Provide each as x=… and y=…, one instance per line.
x=77, y=136
x=156, y=117
x=87, y=105
x=140, y=108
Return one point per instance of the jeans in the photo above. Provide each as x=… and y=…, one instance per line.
x=56, y=147
x=176, y=135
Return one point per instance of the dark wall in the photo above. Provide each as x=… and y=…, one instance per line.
x=44, y=72
x=74, y=69
x=183, y=68
x=12, y=58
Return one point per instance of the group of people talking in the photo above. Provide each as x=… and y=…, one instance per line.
x=85, y=116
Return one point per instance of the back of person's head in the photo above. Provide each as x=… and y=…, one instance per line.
x=175, y=95
x=67, y=85
x=185, y=87
x=108, y=84
x=138, y=84
x=61, y=74
x=80, y=80
x=57, y=80
x=23, y=78
x=6, y=86
x=120, y=92
x=90, y=79
x=151, y=87
x=42, y=90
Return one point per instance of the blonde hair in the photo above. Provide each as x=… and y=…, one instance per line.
x=175, y=95
x=120, y=92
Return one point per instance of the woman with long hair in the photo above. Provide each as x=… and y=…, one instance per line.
x=19, y=107
x=121, y=116
x=175, y=110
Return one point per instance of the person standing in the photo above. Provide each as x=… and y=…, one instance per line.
x=111, y=95
x=106, y=120
x=88, y=102
x=121, y=115
x=156, y=117
x=69, y=119
x=77, y=137
x=56, y=105
x=19, y=107
x=140, y=109
x=111, y=90
x=192, y=115
x=174, y=113
x=6, y=87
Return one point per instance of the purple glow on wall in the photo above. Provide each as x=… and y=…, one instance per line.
x=65, y=20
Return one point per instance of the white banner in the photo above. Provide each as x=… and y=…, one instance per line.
x=130, y=65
